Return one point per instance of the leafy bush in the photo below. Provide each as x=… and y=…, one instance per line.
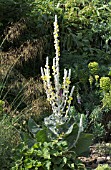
x=96, y=125
x=54, y=141
x=48, y=155
x=97, y=103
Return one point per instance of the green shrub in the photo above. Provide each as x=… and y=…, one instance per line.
x=48, y=155
x=53, y=141
x=96, y=124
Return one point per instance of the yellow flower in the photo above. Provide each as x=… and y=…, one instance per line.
x=90, y=80
x=68, y=81
x=48, y=99
x=96, y=77
x=45, y=78
x=70, y=99
x=53, y=68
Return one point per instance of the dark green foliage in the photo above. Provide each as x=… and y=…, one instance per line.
x=54, y=145
x=48, y=155
x=13, y=10
x=96, y=125
x=85, y=28
x=66, y=129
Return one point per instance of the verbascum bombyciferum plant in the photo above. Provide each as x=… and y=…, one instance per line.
x=57, y=94
x=60, y=126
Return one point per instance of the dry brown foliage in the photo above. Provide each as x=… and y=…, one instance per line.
x=20, y=90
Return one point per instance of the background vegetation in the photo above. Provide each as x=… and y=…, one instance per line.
x=26, y=37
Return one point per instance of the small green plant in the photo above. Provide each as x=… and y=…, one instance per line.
x=47, y=155
x=103, y=167
x=104, y=148
x=96, y=123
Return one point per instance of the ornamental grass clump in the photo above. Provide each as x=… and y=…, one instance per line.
x=57, y=94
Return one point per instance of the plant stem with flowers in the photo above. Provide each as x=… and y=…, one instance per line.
x=57, y=94
x=61, y=124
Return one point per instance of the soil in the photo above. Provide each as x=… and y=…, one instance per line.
x=99, y=154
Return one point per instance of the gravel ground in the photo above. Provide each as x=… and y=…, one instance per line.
x=99, y=154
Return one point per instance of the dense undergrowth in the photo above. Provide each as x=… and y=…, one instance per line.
x=26, y=29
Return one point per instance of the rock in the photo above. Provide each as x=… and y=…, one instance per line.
x=94, y=152
x=101, y=159
x=108, y=158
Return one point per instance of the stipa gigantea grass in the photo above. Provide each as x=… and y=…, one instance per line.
x=13, y=113
x=9, y=134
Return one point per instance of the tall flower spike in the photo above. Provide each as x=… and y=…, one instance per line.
x=57, y=94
